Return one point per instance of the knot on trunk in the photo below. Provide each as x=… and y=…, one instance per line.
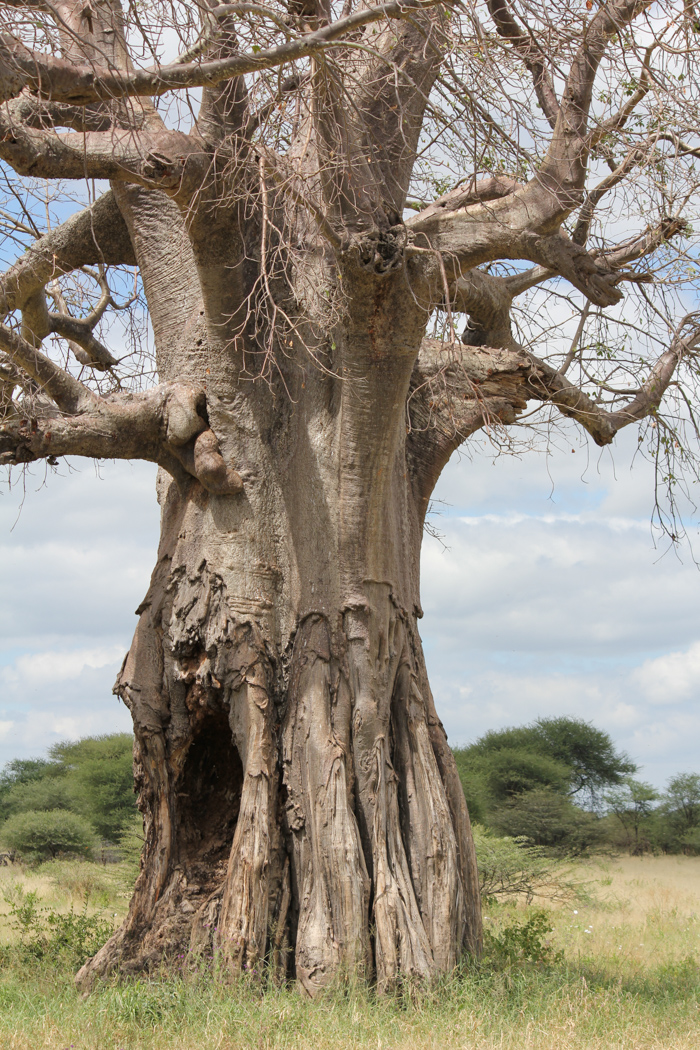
x=194, y=443
x=382, y=251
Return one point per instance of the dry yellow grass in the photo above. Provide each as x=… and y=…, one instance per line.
x=629, y=981
x=643, y=912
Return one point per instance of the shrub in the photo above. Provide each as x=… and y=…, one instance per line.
x=543, y=817
x=566, y=754
x=47, y=793
x=678, y=817
x=36, y=835
x=522, y=942
x=65, y=939
x=100, y=772
x=92, y=777
x=20, y=772
x=508, y=867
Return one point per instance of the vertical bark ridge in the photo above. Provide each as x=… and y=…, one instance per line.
x=245, y=910
x=427, y=823
x=402, y=946
x=330, y=873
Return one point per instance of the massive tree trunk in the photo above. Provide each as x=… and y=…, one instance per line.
x=302, y=808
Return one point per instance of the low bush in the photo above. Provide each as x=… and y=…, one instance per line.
x=64, y=939
x=543, y=817
x=509, y=867
x=524, y=941
x=37, y=836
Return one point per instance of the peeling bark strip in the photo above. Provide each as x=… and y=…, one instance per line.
x=302, y=810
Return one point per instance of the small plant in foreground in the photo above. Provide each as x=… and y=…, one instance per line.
x=66, y=939
x=522, y=942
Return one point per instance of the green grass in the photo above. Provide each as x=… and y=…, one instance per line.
x=619, y=971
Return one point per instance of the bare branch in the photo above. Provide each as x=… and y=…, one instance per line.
x=167, y=160
x=94, y=235
x=65, y=391
x=603, y=425
x=525, y=43
x=63, y=81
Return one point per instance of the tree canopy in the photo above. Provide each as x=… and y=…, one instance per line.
x=560, y=141
x=561, y=752
x=91, y=778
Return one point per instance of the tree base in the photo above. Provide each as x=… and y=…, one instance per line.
x=302, y=810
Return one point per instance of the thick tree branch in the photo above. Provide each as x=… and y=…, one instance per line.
x=166, y=425
x=167, y=160
x=96, y=235
x=520, y=224
x=457, y=390
x=525, y=44
x=600, y=423
x=64, y=81
x=609, y=259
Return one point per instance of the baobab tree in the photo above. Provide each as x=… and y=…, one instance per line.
x=303, y=202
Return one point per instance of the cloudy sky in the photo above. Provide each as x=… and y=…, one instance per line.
x=545, y=595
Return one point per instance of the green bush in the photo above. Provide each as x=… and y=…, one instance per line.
x=567, y=754
x=537, y=780
x=20, y=772
x=92, y=777
x=37, y=836
x=509, y=867
x=491, y=778
x=543, y=817
x=678, y=824
x=64, y=939
x=522, y=942
x=50, y=792
x=100, y=773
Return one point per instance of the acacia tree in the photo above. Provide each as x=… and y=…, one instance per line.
x=309, y=197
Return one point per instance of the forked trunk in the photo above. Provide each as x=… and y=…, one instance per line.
x=302, y=808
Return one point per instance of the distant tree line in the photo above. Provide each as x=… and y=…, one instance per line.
x=557, y=783
x=76, y=800
x=561, y=783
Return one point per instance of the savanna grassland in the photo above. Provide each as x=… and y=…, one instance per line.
x=614, y=967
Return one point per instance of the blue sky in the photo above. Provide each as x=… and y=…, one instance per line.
x=545, y=595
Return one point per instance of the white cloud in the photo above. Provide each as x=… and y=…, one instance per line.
x=49, y=668
x=671, y=678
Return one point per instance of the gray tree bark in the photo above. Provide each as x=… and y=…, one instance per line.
x=295, y=780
